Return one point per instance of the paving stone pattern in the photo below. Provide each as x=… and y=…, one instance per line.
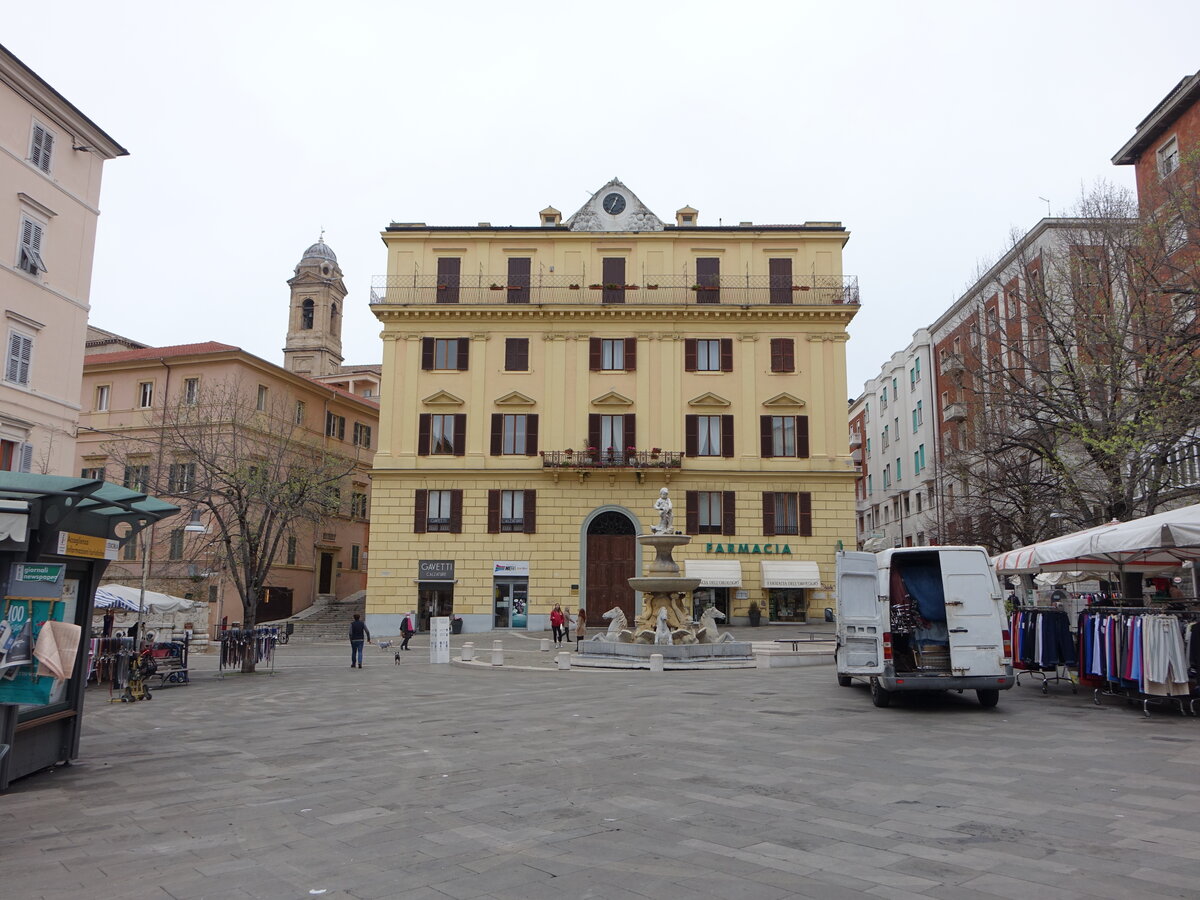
x=422, y=781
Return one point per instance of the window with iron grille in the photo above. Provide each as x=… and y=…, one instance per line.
x=787, y=519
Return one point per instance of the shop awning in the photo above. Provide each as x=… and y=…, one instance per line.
x=798, y=573
x=714, y=572
x=14, y=520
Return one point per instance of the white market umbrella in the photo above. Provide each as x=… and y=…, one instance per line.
x=127, y=598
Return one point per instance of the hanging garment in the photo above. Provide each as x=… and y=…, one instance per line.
x=1164, y=657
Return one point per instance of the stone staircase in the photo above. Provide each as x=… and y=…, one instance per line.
x=327, y=620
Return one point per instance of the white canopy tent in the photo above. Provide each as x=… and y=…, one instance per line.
x=119, y=596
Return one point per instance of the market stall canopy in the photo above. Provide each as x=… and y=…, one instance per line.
x=122, y=597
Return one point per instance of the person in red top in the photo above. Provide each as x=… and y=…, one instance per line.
x=557, y=620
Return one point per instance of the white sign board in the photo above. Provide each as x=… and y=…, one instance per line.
x=514, y=569
x=439, y=639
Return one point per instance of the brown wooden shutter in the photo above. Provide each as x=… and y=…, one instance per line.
x=493, y=512
x=689, y=354
x=766, y=437
x=594, y=431
x=420, y=511
x=595, y=356
x=530, y=512
x=427, y=354
x=726, y=354
x=768, y=505
x=424, y=427
x=613, y=273
x=456, y=498
x=531, y=435
x=497, y=433
x=691, y=436
x=630, y=431
x=518, y=277
x=728, y=515
x=449, y=270
x=805, y=507
x=630, y=354
x=692, y=522
x=802, y=437
x=727, y=436
x=516, y=355
x=708, y=279
x=781, y=280
x=783, y=356
x=464, y=351
x=460, y=434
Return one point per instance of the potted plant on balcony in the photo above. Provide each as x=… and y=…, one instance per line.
x=755, y=614
x=652, y=287
x=497, y=287
x=654, y=452
x=629, y=287
x=614, y=287
x=595, y=287
x=573, y=287
x=591, y=452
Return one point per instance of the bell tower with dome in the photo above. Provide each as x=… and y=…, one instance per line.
x=314, y=336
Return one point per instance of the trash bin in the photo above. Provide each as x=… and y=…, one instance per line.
x=829, y=614
x=456, y=625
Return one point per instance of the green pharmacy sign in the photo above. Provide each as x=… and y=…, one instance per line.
x=762, y=549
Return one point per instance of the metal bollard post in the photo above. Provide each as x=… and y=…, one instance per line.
x=564, y=660
x=656, y=662
x=468, y=651
x=545, y=647
x=497, y=653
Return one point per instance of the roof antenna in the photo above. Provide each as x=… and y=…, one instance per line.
x=1047, y=202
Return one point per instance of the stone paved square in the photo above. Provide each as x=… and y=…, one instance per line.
x=423, y=781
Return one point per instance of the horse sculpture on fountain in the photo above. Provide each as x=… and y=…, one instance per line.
x=707, y=632
x=618, y=627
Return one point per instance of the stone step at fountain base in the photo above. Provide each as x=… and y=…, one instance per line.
x=616, y=655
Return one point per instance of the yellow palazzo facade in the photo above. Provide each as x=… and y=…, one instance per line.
x=541, y=384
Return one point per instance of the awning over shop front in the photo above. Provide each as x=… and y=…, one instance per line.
x=714, y=572
x=790, y=574
x=14, y=520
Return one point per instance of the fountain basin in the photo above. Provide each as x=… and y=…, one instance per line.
x=663, y=584
x=605, y=655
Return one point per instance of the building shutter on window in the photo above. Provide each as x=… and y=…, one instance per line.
x=708, y=278
x=449, y=271
x=427, y=354
x=518, y=277
x=689, y=354
x=802, y=437
x=614, y=274
x=692, y=522
x=630, y=354
x=768, y=507
x=726, y=354
x=630, y=431
x=594, y=431
x=691, y=438
x=460, y=434
x=781, y=280
x=43, y=146
x=531, y=434
x=530, y=512
x=26, y=458
x=727, y=436
x=595, y=354
x=728, y=518
x=456, y=498
x=493, y=512
x=20, y=350
x=497, y=433
x=424, y=427
x=516, y=354
x=420, y=511
x=464, y=349
x=783, y=356
x=805, y=509
x=766, y=437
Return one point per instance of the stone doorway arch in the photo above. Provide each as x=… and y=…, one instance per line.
x=610, y=560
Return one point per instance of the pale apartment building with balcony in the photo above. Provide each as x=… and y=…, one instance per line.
x=51, y=161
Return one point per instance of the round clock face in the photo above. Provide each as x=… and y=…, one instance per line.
x=614, y=204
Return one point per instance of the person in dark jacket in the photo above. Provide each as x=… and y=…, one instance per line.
x=358, y=633
x=406, y=629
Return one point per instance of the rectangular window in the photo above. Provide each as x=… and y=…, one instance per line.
x=780, y=278
x=784, y=436
x=41, y=147
x=448, y=278
x=20, y=353
x=145, y=394
x=708, y=280
x=868, y=446
x=129, y=551
x=612, y=434
x=516, y=354
x=299, y=412
x=137, y=478
x=885, y=435
x=512, y=439
x=176, y=547
x=1168, y=157
x=512, y=510
x=612, y=355
x=358, y=505
x=191, y=391
x=887, y=477
x=518, y=279
x=1175, y=235
x=335, y=426
x=362, y=435
x=181, y=478
x=442, y=435
x=783, y=355
x=917, y=462
x=613, y=273
x=355, y=556
x=920, y=412
x=708, y=356
x=921, y=455
x=787, y=515
x=870, y=484
x=883, y=398
x=260, y=402
x=30, y=258
x=102, y=392
x=708, y=435
x=440, y=507
x=291, y=551
x=708, y=510
x=514, y=434
x=93, y=473
x=898, y=470
x=444, y=354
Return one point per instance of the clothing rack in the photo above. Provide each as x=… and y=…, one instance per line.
x=239, y=644
x=1122, y=648
x=1043, y=646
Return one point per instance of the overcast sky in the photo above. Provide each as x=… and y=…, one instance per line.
x=930, y=129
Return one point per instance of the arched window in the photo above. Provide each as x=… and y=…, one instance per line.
x=333, y=319
x=306, y=315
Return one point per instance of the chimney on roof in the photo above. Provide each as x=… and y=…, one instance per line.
x=687, y=217
x=550, y=217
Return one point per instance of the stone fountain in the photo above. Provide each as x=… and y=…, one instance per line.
x=665, y=625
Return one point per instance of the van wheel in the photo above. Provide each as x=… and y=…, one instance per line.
x=845, y=680
x=988, y=699
x=880, y=695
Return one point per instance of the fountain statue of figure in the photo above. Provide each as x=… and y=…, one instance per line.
x=666, y=516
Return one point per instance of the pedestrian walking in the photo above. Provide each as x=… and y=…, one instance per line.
x=407, y=628
x=580, y=627
x=358, y=633
x=557, y=619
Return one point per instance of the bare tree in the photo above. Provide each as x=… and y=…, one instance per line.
x=1084, y=381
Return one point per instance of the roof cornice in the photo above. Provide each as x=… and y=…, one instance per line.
x=1159, y=121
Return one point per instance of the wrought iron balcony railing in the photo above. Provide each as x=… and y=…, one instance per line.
x=611, y=459
x=648, y=290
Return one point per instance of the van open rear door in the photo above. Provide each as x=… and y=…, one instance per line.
x=974, y=614
x=860, y=621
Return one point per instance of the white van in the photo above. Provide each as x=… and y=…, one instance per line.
x=922, y=619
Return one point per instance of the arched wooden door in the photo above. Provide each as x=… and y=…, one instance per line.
x=611, y=562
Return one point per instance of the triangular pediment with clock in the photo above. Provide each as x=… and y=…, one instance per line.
x=614, y=208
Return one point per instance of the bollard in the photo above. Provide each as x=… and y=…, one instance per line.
x=656, y=662
x=497, y=653
x=545, y=645
x=564, y=660
x=468, y=651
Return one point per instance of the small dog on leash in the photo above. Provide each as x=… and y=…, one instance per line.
x=397, y=658
x=383, y=645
